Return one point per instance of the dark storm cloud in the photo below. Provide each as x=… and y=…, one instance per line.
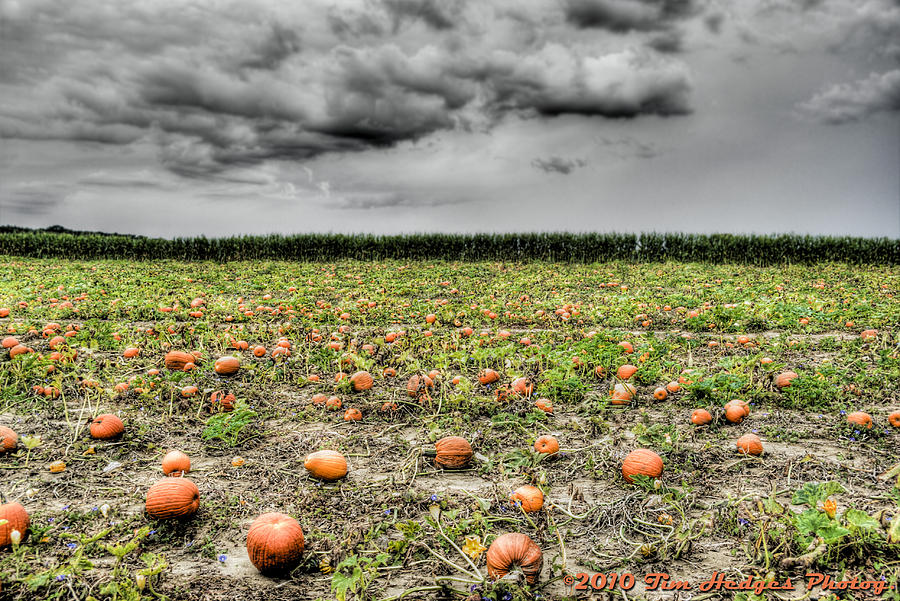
x=555, y=164
x=627, y=15
x=239, y=87
x=846, y=103
x=32, y=198
x=714, y=22
x=437, y=14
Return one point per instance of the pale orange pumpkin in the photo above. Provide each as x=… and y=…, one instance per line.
x=749, y=444
x=326, y=465
x=783, y=380
x=488, y=376
x=172, y=498
x=176, y=463
x=361, y=380
x=861, y=419
x=643, y=462
x=275, y=543
x=626, y=371
x=514, y=550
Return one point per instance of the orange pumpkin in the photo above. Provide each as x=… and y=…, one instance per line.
x=352, y=415
x=523, y=387
x=488, y=376
x=176, y=463
x=8, y=439
x=660, y=394
x=452, y=452
x=861, y=419
x=227, y=366
x=131, y=352
x=172, y=498
x=544, y=405
x=894, y=419
x=275, y=543
x=107, y=426
x=9, y=342
x=176, y=360
x=529, y=497
x=701, y=417
x=783, y=380
x=418, y=385
x=514, y=550
x=749, y=444
x=622, y=394
x=361, y=380
x=16, y=519
x=626, y=371
x=546, y=444
x=643, y=462
x=326, y=465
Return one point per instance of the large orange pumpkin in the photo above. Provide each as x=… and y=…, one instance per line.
x=529, y=497
x=177, y=360
x=172, y=498
x=734, y=413
x=326, y=465
x=894, y=419
x=361, y=380
x=275, y=543
x=16, y=519
x=749, y=444
x=452, y=452
x=642, y=462
x=176, y=463
x=523, y=387
x=626, y=371
x=8, y=439
x=106, y=426
x=226, y=366
x=514, y=550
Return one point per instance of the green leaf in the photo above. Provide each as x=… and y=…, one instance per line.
x=832, y=532
x=811, y=520
x=812, y=493
x=860, y=520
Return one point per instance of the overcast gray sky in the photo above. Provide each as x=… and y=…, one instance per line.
x=214, y=117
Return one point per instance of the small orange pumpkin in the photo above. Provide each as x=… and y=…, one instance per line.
x=643, y=462
x=523, y=387
x=106, y=427
x=352, y=415
x=361, y=380
x=860, y=418
x=227, y=366
x=749, y=444
x=514, y=550
x=275, y=543
x=529, y=497
x=172, y=498
x=452, y=452
x=546, y=444
x=16, y=519
x=326, y=465
x=176, y=463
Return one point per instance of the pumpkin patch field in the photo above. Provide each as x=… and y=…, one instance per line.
x=437, y=430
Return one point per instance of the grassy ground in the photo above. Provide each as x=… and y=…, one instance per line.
x=392, y=523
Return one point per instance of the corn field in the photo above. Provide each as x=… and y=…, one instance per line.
x=759, y=250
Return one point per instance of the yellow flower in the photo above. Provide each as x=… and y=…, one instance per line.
x=473, y=547
x=829, y=506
